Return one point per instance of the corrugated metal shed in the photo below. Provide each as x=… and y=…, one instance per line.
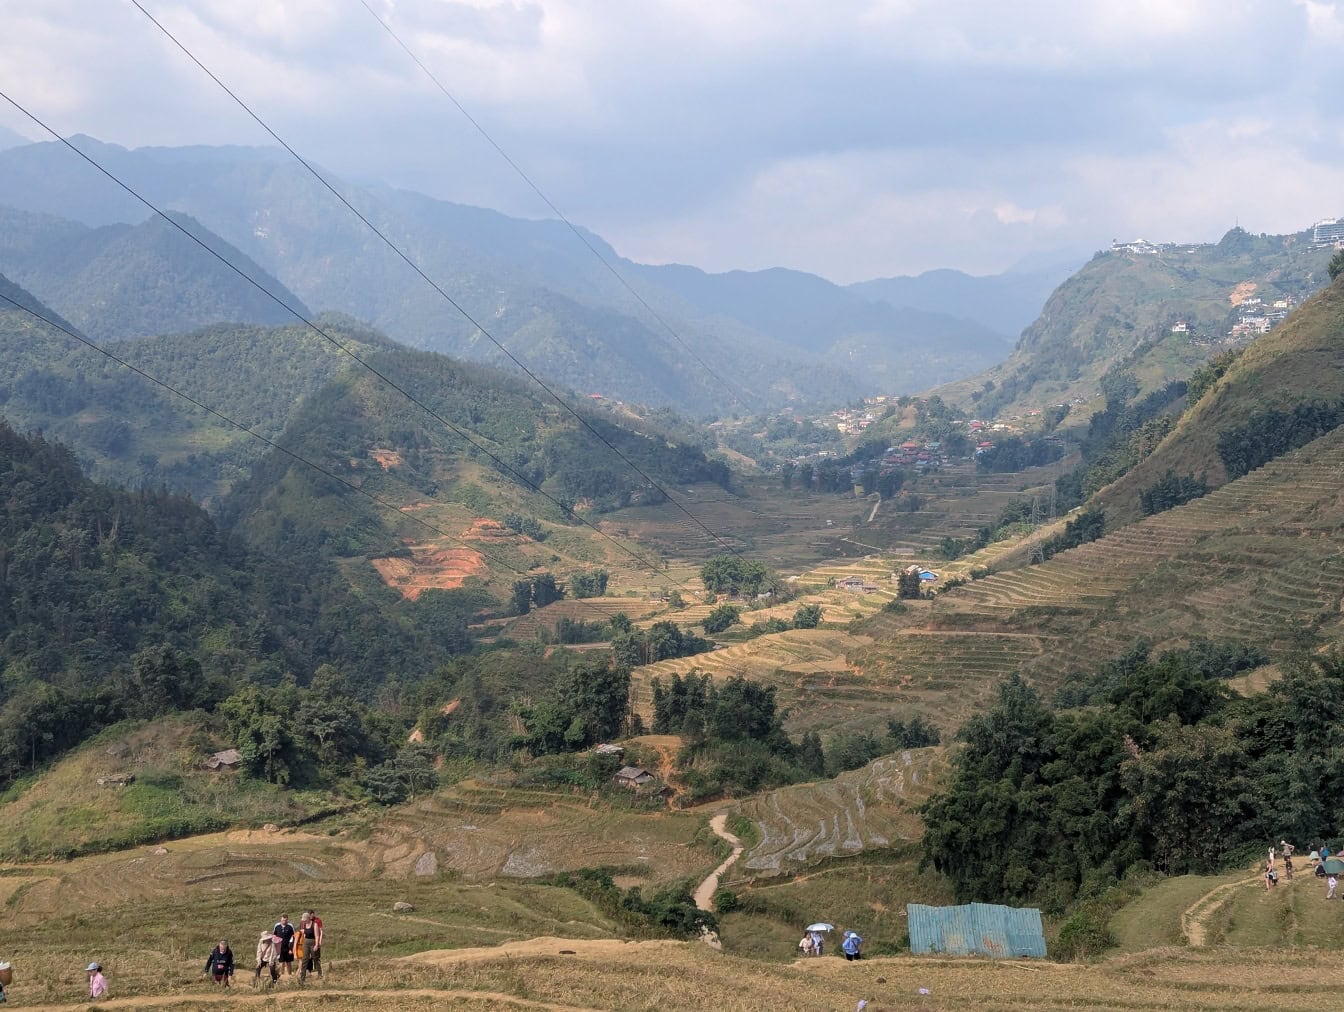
x=976, y=929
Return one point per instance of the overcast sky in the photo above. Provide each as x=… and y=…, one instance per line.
x=854, y=140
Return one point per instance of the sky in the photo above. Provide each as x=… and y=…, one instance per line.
x=854, y=140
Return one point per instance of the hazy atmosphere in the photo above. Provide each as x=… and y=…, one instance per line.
x=893, y=137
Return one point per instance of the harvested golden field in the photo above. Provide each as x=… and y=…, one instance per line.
x=559, y=973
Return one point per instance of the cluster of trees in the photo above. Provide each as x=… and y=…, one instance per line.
x=1013, y=453
x=1274, y=432
x=1088, y=525
x=92, y=577
x=807, y=616
x=527, y=526
x=1120, y=436
x=1210, y=373
x=740, y=577
x=586, y=706
x=589, y=583
x=1167, y=769
x=540, y=591
x=852, y=751
x=670, y=911
x=660, y=642
x=734, y=732
x=1172, y=490
x=577, y=463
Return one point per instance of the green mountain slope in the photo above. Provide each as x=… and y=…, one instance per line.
x=1119, y=311
x=1300, y=363
x=362, y=430
x=130, y=431
x=93, y=576
x=124, y=281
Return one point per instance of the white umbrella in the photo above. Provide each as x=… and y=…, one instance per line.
x=820, y=926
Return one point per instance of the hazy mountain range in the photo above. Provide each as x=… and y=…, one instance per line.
x=719, y=343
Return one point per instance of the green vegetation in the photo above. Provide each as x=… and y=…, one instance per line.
x=670, y=911
x=1121, y=306
x=1266, y=435
x=1170, y=491
x=1012, y=454
x=1172, y=772
x=734, y=734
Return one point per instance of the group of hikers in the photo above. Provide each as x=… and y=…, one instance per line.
x=282, y=946
x=1324, y=862
x=813, y=943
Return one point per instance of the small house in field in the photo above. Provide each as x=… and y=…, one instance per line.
x=605, y=749
x=633, y=776
x=229, y=759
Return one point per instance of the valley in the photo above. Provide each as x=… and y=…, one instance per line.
x=534, y=689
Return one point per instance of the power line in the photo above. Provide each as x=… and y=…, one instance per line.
x=731, y=388
x=431, y=282
x=298, y=457
x=448, y=423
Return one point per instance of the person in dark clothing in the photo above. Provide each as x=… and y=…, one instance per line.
x=219, y=964
x=310, y=926
x=284, y=931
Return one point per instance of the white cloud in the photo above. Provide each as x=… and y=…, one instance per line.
x=858, y=140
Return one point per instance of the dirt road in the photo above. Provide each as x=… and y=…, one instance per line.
x=704, y=894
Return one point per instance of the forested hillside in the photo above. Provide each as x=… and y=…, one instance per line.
x=368, y=433
x=128, y=430
x=1157, y=313
x=124, y=281
x=116, y=603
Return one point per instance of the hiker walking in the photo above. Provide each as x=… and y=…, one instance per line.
x=1330, y=883
x=219, y=964
x=1271, y=877
x=285, y=932
x=268, y=957
x=1288, y=867
x=97, y=982
x=817, y=942
x=310, y=929
x=851, y=946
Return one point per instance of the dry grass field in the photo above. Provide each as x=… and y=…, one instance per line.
x=567, y=974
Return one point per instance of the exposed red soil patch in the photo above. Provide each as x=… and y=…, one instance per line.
x=386, y=458
x=430, y=567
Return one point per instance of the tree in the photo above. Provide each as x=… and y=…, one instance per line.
x=262, y=733
x=721, y=618
x=164, y=681
x=522, y=596
x=590, y=583
x=1335, y=265
x=808, y=616
x=1189, y=797
x=587, y=706
x=908, y=584
x=545, y=590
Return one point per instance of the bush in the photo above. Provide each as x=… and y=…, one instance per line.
x=1085, y=933
x=726, y=901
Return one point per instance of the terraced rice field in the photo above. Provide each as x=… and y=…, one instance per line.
x=869, y=807
x=1247, y=562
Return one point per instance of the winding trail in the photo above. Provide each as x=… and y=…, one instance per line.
x=1195, y=919
x=704, y=893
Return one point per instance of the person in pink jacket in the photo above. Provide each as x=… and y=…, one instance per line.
x=97, y=982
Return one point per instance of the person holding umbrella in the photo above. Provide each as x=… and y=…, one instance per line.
x=818, y=938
